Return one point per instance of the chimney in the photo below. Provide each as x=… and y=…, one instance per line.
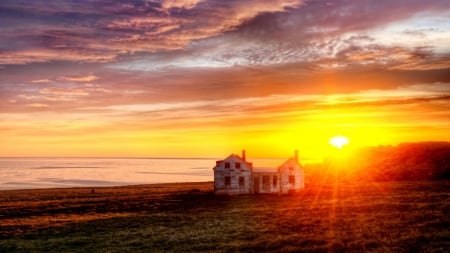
x=243, y=154
x=296, y=155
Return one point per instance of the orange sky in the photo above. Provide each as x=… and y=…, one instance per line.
x=207, y=78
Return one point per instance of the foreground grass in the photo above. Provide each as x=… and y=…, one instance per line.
x=375, y=217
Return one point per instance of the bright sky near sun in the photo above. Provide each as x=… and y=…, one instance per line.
x=205, y=78
x=339, y=141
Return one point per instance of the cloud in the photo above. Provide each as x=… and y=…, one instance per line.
x=37, y=105
x=176, y=31
x=422, y=59
x=342, y=35
x=63, y=91
x=41, y=81
x=184, y=4
x=55, y=97
x=172, y=34
x=349, y=52
x=25, y=56
x=103, y=33
x=197, y=50
x=287, y=105
x=190, y=73
x=83, y=78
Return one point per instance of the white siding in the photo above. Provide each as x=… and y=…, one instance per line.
x=291, y=168
x=237, y=169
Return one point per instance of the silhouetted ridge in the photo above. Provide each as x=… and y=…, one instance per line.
x=406, y=161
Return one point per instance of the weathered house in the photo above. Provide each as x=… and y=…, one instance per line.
x=235, y=175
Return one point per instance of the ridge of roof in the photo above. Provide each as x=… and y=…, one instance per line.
x=288, y=160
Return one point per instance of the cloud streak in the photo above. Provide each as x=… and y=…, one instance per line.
x=83, y=78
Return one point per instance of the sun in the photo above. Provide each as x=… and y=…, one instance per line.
x=339, y=141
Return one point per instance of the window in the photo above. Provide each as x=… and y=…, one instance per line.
x=227, y=165
x=238, y=165
x=241, y=182
x=292, y=180
x=266, y=183
x=227, y=181
x=291, y=169
x=275, y=181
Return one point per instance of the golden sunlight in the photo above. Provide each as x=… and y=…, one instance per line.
x=339, y=141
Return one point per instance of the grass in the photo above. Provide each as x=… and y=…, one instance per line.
x=369, y=217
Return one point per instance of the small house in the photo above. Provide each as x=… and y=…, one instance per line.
x=235, y=175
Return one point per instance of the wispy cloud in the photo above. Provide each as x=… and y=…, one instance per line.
x=105, y=33
x=41, y=81
x=25, y=56
x=184, y=4
x=209, y=33
x=37, y=105
x=83, y=78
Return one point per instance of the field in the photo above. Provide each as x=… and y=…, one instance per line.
x=365, y=217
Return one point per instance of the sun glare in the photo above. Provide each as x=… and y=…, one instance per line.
x=339, y=141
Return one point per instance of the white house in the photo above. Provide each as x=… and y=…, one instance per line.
x=235, y=175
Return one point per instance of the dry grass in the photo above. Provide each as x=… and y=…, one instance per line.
x=374, y=217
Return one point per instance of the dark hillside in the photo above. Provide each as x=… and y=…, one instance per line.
x=407, y=161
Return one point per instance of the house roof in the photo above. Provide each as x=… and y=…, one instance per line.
x=291, y=159
x=258, y=169
x=234, y=156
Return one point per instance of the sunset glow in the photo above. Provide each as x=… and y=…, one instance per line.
x=339, y=141
x=206, y=78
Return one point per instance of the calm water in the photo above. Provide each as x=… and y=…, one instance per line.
x=32, y=173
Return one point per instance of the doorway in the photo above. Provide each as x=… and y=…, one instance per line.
x=256, y=185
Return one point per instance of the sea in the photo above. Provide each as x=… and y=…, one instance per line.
x=35, y=173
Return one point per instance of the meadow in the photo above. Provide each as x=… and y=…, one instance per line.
x=348, y=217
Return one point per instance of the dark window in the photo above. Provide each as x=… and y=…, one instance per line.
x=291, y=169
x=238, y=165
x=227, y=165
x=241, y=181
x=275, y=181
x=292, y=180
x=266, y=183
x=227, y=181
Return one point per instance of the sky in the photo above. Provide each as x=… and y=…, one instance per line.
x=205, y=78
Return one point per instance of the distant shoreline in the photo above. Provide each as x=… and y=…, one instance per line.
x=132, y=186
x=107, y=157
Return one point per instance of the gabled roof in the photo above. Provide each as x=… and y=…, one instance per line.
x=290, y=160
x=235, y=157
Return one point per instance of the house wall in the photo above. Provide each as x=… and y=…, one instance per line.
x=286, y=171
x=266, y=182
x=233, y=186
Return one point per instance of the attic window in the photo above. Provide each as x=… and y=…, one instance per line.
x=238, y=165
x=291, y=169
x=227, y=165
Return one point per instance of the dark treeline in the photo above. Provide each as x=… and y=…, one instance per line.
x=408, y=161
